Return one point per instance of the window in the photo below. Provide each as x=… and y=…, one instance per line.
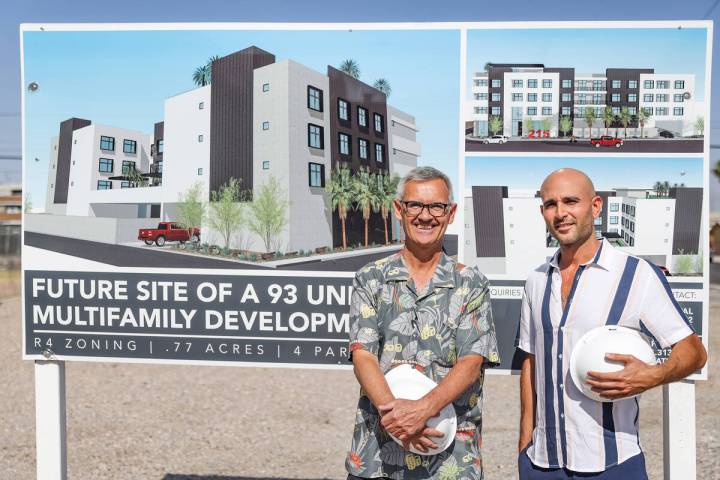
x=343, y=110
x=481, y=96
x=566, y=110
x=127, y=167
x=648, y=110
x=632, y=110
x=481, y=83
x=615, y=97
x=130, y=146
x=496, y=111
x=316, y=175
x=315, y=136
x=547, y=97
x=532, y=97
x=678, y=111
x=104, y=185
x=597, y=221
x=532, y=110
x=363, y=148
x=616, y=84
x=106, y=165
x=532, y=83
x=315, y=99
x=662, y=98
x=266, y=164
x=344, y=144
x=517, y=97
x=517, y=83
x=678, y=98
x=266, y=87
x=614, y=207
x=547, y=83
x=566, y=83
x=476, y=110
x=266, y=125
x=632, y=97
x=160, y=147
x=567, y=97
x=199, y=172
x=679, y=83
x=663, y=84
x=379, y=153
x=107, y=143
x=547, y=110
x=613, y=220
x=632, y=83
x=496, y=83
x=661, y=111
x=202, y=138
x=495, y=97
x=124, y=184
x=481, y=110
x=648, y=84
x=362, y=117
x=378, y=121
x=616, y=111
x=648, y=97
x=201, y=105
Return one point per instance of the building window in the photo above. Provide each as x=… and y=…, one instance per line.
x=315, y=99
x=127, y=167
x=378, y=120
x=547, y=83
x=343, y=110
x=678, y=111
x=495, y=97
x=648, y=97
x=266, y=125
x=616, y=84
x=266, y=87
x=615, y=97
x=662, y=98
x=567, y=97
x=616, y=111
x=344, y=144
x=547, y=110
x=661, y=111
x=614, y=207
x=481, y=110
x=130, y=146
x=107, y=143
x=363, y=148
x=632, y=97
x=202, y=138
x=613, y=220
x=104, y=185
x=679, y=84
x=597, y=85
x=547, y=97
x=648, y=84
x=632, y=83
x=678, y=98
x=481, y=83
x=632, y=110
x=496, y=111
x=648, y=110
x=476, y=110
x=517, y=83
x=379, y=153
x=517, y=97
x=496, y=83
x=266, y=164
x=566, y=83
x=124, y=184
x=532, y=83
x=362, y=114
x=201, y=105
x=316, y=175
x=663, y=84
x=160, y=146
x=315, y=136
x=532, y=110
x=199, y=172
x=106, y=165
x=566, y=110
x=532, y=97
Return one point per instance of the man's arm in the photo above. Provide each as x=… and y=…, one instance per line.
x=527, y=401
x=687, y=356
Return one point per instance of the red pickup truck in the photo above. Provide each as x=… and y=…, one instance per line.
x=607, y=141
x=169, y=232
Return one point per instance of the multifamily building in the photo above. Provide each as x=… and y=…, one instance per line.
x=531, y=99
x=504, y=232
x=259, y=118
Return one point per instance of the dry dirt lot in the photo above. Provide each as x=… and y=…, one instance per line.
x=220, y=423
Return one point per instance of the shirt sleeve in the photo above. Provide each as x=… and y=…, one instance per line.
x=364, y=326
x=659, y=312
x=526, y=330
x=476, y=329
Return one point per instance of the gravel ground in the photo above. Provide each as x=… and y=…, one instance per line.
x=217, y=423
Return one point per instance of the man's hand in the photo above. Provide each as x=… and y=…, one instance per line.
x=405, y=419
x=634, y=379
x=423, y=441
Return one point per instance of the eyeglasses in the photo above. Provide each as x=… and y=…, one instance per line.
x=415, y=208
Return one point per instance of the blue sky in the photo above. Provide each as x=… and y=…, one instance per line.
x=606, y=172
x=667, y=50
x=122, y=78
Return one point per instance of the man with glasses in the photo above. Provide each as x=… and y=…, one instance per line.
x=420, y=307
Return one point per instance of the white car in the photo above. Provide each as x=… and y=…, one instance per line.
x=496, y=139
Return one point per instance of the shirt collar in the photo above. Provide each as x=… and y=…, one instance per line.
x=599, y=259
x=444, y=275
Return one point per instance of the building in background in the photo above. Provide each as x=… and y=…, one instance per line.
x=11, y=207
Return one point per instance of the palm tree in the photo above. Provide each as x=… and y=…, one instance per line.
x=350, y=67
x=383, y=85
x=608, y=118
x=365, y=196
x=590, y=117
x=658, y=187
x=339, y=192
x=387, y=191
x=487, y=66
x=642, y=117
x=666, y=187
x=625, y=118
x=202, y=75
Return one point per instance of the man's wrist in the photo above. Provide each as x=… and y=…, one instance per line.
x=659, y=374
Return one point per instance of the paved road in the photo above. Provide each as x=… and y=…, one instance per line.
x=584, y=146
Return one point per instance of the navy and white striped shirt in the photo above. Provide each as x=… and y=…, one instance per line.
x=571, y=430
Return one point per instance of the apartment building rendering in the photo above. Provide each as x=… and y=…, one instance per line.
x=258, y=118
x=504, y=232
x=511, y=99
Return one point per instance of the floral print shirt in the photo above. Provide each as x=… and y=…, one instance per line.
x=431, y=330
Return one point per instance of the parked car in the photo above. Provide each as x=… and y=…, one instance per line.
x=607, y=141
x=666, y=134
x=169, y=232
x=496, y=139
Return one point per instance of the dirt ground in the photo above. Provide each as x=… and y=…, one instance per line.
x=221, y=423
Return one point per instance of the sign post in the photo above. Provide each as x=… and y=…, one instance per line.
x=50, y=420
x=679, y=430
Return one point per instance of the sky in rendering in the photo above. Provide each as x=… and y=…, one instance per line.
x=607, y=173
x=121, y=78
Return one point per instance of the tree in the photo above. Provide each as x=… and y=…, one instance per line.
x=529, y=125
x=387, y=191
x=546, y=124
x=226, y=211
x=339, y=193
x=364, y=194
x=608, y=118
x=625, y=118
x=136, y=178
x=566, y=124
x=202, y=75
x=27, y=204
x=700, y=125
x=642, y=117
x=495, y=124
x=487, y=66
x=350, y=67
x=191, y=208
x=268, y=212
x=383, y=85
x=590, y=117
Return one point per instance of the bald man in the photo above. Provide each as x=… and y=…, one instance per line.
x=586, y=284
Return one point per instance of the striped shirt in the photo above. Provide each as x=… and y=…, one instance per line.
x=571, y=430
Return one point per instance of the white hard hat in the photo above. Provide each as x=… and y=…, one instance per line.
x=589, y=354
x=406, y=382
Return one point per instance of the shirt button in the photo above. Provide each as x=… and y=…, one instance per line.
x=562, y=415
x=560, y=355
x=562, y=386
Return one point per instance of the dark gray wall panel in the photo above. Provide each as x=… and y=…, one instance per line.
x=688, y=215
x=489, y=220
x=62, y=175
